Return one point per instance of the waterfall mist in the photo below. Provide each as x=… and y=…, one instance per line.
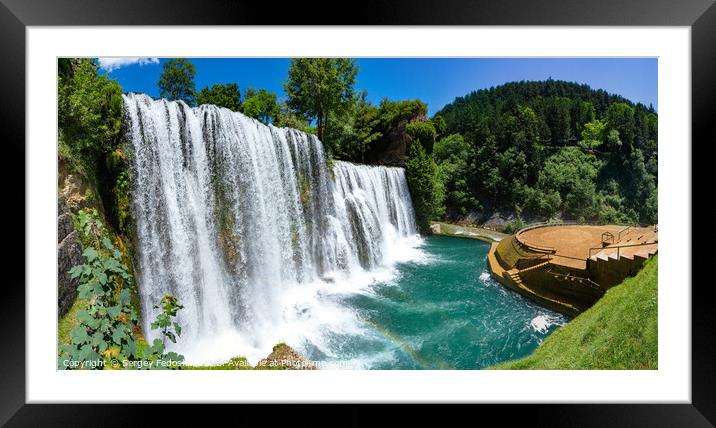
x=253, y=229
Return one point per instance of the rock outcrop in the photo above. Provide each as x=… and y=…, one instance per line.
x=391, y=148
x=69, y=254
x=285, y=357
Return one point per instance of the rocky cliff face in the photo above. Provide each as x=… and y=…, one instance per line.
x=392, y=148
x=74, y=193
x=69, y=254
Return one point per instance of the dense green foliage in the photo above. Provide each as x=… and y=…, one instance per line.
x=422, y=132
x=177, y=81
x=539, y=149
x=103, y=333
x=366, y=131
x=553, y=149
x=227, y=95
x=155, y=357
x=169, y=329
x=453, y=155
x=261, y=105
x=620, y=332
x=89, y=114
x=105, y=329
x=319, y=87
x=425, y=186
x=90, y=110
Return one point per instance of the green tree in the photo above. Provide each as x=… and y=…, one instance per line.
x=453, y=155
x=177, y=81
x=582, y=112
x=557, y=113
x=366, y=131
x=317, y=87
x=594, y=134
x=168, y=328
x=261, y=105
x=425, y=187
x=573, y=174
x=339, y=136
x=439, y=125
x=643, y=188
x=422, y=132
x=227, y=95
x=288, y=119
x=613, y=140
x=523, y=134
x=89, y=113
x=351, y=134
x=620, y=118
x=373, y=129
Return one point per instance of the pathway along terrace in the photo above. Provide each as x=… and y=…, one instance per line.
x=567, y=267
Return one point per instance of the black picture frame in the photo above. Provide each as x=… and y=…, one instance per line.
x=16, y=15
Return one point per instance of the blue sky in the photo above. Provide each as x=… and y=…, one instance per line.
x=437, y=81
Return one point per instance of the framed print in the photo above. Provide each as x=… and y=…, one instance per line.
x=460, y=204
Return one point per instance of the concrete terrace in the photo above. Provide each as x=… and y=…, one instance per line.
x=568, y=267
x=570, y=243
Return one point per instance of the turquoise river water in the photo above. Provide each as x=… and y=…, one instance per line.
x=443, y=312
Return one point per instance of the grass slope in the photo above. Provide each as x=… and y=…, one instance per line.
x=618, y=333
x=68, y=321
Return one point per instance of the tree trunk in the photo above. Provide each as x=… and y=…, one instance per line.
x=319, y=126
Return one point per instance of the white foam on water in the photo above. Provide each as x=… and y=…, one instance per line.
x=542, y=322
x=253, y=233
x=312, y=315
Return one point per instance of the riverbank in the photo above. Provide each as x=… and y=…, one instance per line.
x=455, y=231
x=620, y=332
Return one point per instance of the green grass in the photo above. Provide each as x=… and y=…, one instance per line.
x=619, y=332
x=69, y=320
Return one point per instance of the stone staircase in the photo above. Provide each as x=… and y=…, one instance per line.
x=634, y=244
x=513, y=279
x=625, y=257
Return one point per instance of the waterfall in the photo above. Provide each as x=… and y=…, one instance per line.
x=232, y=216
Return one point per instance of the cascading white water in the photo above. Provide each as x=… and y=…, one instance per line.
x=232, y=216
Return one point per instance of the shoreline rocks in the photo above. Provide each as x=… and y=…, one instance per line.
x=285, y=357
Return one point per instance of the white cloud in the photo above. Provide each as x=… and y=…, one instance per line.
x=111, y=64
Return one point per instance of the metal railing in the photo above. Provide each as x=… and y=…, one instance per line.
x=539, y=224
x=585, y=281
x=538, y=248
x=569, y=257
x=607, y=236
x=619, y=246
x=619, y=235
x=553, y=251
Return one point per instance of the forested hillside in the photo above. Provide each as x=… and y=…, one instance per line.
x=549, y=149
